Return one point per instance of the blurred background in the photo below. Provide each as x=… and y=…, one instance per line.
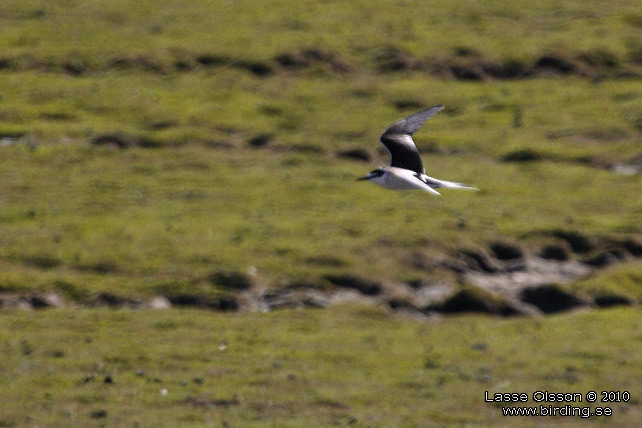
x=201, y=157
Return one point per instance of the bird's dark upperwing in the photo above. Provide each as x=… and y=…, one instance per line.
x=403, y=152
x=398, y=140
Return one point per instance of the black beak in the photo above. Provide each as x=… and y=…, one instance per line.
x=363, y=178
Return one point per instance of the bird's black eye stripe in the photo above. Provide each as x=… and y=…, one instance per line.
x=377, y=172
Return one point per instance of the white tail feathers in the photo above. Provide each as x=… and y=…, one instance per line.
x=435, y=183
x=452, y=185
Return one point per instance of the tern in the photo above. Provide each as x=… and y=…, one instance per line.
x=406, y=170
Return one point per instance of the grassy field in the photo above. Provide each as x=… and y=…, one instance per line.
x=91, y=34
x=206, y=152
x=132, y=220
x=343, y=366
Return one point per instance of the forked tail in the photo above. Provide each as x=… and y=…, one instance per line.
x=435, y=183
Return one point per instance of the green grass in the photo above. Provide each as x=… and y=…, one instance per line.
x=95, y=32
x=618, y=280
x=558, y=118
x=129, y=221
x=133, y=221
x=85, y=219
x=340, y=366
x=188, y=86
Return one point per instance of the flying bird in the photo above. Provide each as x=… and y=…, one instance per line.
x=406, y=170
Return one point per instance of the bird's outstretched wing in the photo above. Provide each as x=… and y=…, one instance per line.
x=397, y=138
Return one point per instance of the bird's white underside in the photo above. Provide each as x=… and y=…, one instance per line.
x=401, y=179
